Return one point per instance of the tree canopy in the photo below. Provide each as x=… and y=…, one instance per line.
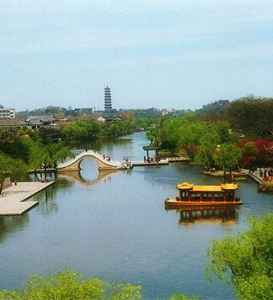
x=246, y=260
x=11, y=168
x=68, y=285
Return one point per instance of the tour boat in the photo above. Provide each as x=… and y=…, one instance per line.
x=204, y=195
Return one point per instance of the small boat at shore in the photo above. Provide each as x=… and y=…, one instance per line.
x=204, y=195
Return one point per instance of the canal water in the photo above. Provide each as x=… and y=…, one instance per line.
x=114, y=226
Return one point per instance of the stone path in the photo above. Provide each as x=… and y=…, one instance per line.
x=13, y=199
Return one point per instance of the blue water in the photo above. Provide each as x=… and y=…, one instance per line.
x=114, y=226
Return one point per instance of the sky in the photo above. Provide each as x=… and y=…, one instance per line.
x=162, y=54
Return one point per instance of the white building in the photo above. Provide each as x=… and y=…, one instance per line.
x=7, y=113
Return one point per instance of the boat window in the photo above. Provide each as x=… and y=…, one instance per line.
x=230, y=195
x=195, y=196
x=219, y=196
x=184, y=195
x=207, y=196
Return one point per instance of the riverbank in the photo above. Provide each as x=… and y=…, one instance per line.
x=13, y=200
x=264, y=185
x=241, y=175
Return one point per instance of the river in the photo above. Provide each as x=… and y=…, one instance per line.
x=114, y=226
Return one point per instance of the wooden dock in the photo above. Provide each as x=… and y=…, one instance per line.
x=13, y=200
x=164, y=161
x=150, y=164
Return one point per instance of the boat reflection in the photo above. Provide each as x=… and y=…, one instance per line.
x=217, y=214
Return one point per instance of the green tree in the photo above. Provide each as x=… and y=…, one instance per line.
x=208, y=146
x=190, y=133
x=69, y=285
x=227, y=157
x=47, y=155
x=253, y=116
x=246, y=260
x=11, y=168
x=81, y=130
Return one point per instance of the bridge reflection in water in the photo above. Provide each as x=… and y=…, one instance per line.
x=217, y=214
x=103, y=175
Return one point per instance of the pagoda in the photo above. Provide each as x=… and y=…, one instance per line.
x=107, y=100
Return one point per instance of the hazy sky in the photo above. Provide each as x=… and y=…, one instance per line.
x=162, y=54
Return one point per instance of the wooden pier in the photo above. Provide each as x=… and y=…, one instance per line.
x=161, y=162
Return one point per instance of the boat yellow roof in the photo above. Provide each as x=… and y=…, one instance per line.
x=229, y=186
x=185, y=186
x=206, y=188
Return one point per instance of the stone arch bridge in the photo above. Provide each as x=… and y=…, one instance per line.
x=104, y=163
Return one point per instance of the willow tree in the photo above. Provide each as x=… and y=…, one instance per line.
x=11, y=168
x=69, y=285
x=47, y=156
x=246, y=260
x=207, y=147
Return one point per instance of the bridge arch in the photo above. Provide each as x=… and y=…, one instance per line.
x=103, y=162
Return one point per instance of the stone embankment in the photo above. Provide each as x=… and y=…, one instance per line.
x=265, y=185
x=235, y=175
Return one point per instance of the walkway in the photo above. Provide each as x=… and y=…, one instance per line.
x=13, y=200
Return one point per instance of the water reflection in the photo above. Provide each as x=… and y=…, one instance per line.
x=11, y=224
x=103, y=175
x=47, y=197
x=215, y=214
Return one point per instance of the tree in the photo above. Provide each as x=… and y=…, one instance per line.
x=68, y=285
x=252, y=115
x=208, y=146
x=190, y=133
x=227, y=157
x=246, y=261
x=11, y=168
x=249, y=153
x=81, y=130
x=47, y=155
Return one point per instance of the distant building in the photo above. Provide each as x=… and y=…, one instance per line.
x=101, y=119
x=223, y=102
x=7, y=113
x=164, y=112
x=35, y=122
x=108, y=101
x=85, y=110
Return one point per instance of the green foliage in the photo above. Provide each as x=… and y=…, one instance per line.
x=10, y=167
x=50, y=154
x=91, y=130
x=246, y=261
x=207, y=147
x=69, y=285
x=227, y=156
x=81, y=130
x=253, y=116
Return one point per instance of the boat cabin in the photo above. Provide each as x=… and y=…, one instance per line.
x=223, y=192
x=191, y=194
